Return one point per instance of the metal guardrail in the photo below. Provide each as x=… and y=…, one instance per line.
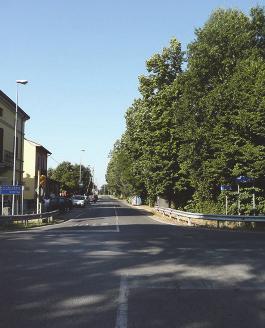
x=26, y=217
x=188, y=216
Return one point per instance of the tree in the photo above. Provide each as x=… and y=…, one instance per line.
x=192, y=130
x=68, y=175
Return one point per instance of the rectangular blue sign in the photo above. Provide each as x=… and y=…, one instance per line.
x=243, y=179
x=226, y=187
x=10, y=190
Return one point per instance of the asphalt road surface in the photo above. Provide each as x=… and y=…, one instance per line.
x=114, y=266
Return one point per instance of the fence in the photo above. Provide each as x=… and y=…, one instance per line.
x=188, y=216
x=27, y=217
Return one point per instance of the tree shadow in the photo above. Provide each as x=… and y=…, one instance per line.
x=176, y=276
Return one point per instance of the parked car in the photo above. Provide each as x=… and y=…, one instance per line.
x=62, y=204
x=78, y=200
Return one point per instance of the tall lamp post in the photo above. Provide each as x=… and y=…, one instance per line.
x=80, y=171
x=15, y=143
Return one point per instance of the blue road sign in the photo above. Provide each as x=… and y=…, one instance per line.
x=10, y=190
x=226, y=187
x=243, y=179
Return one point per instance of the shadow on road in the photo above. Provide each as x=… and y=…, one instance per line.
x=177, y=277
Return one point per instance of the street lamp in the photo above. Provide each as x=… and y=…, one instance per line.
x=15, y=143
x=80, y=171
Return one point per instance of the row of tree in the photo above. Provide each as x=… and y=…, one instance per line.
x=201, y=126
x=68, y=175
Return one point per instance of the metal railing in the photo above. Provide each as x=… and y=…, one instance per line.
x=188, y=216
x=27, y=217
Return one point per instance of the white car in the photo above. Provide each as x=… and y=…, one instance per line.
x=78, y=200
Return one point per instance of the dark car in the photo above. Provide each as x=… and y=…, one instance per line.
x=62, y=204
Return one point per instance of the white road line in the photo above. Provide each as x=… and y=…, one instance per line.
x=77, y=216
x=117, y=220
x=107, y=231
x=122, y=313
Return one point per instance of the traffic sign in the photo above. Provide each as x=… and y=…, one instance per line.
x=243, y=179
x=226, y=187
x=10, y=190
x=42, y=180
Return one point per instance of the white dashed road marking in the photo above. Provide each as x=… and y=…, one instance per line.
x=117, y=220
x=122, y=313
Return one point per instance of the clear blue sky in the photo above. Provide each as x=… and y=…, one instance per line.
x=83, y=59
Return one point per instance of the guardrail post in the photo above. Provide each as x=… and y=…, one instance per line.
x=189, y=222
x=218, y=224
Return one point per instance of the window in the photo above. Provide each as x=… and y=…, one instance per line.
x=1, y=144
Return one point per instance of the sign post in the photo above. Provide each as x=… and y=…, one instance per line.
x=238, y=199
x=226, y=188
x=22, y=200
x=2, y=204
x=38, y=192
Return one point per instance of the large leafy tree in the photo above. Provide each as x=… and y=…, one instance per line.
x=192, y=130
x=68, y=175
x=224, y=101
x=119, y=172
x=156, y=115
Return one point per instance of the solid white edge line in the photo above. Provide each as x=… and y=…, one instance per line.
x=122, y=312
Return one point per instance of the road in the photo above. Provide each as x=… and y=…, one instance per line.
x=114, y=266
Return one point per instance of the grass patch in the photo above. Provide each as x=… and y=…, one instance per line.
x=19, y=225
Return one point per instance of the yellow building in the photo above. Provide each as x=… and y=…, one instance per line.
x=35, y=164
x=7, y=131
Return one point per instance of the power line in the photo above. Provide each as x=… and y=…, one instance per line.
x=54, y=159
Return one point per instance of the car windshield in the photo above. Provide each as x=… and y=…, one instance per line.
x=79, y=197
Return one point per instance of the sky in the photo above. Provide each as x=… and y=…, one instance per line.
x=82, y=59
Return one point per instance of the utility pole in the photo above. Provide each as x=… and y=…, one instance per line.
x=38, y=192
x=80, y=169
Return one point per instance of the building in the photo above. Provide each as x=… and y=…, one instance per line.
x=35, y=165
x=7, y=132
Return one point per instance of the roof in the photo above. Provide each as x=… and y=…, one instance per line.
x=38, y=145
x=13, y=105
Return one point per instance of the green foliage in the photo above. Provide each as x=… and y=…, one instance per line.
x=193, y=130
x=69, y=175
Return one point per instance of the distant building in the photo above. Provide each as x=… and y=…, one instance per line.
x=7, y=137
x=35, y=164
x=7, y=132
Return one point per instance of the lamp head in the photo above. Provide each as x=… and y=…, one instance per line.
x=22, y=81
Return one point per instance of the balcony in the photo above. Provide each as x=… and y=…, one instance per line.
x=8, y=158
x=7, y=162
